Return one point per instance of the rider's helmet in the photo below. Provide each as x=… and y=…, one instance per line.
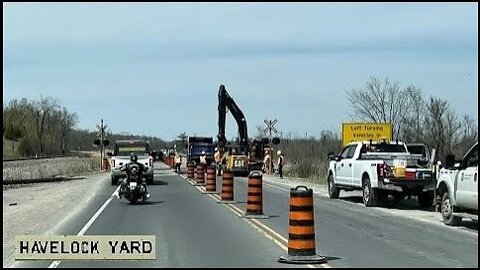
x=133, y=157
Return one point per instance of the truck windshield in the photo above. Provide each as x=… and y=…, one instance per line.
x=208, y=148
x=140, y=149
x=416, y=149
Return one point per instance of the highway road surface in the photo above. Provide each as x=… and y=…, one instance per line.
x=193, y=230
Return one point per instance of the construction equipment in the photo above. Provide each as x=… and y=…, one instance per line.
x=236, y=153
x=244, y=155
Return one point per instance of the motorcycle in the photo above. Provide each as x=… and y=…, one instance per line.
x=133, y=187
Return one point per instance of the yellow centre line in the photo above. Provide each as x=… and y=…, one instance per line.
x=268, y=232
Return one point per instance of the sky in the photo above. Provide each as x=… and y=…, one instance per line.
x=155, y=68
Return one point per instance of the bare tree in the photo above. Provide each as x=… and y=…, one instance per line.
x=66, y=122
x=41, y=113
x=260, y=132
x=413, y=122
x=445, y=131
x=380, y=101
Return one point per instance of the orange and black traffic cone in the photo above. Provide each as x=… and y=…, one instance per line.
x=254, y=197
x=227, y=187
x=301, y=230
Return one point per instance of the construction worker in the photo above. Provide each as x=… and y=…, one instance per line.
x=178, y=162
x=218, y=160
x=280, y=163
x=266, y=163
x=203, y=160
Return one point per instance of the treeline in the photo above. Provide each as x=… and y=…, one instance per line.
x=82, y=140
x=44, y=127
x=39, y=127
x=415, y=118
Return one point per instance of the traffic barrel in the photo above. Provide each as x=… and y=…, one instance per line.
x=301, y=230
x=200, y=176
x=105, y=164
x=190, y=170
x=254, y=197
x=211, y=181
x=227, y=187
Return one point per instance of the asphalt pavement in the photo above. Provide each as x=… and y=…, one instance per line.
x=193, y=230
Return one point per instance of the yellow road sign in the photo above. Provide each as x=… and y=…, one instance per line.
x=352, y=132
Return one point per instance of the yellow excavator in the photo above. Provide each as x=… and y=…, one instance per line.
x=236, y=154
x=242, y=156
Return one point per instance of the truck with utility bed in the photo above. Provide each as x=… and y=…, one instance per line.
x=457, y=188
x=380, y=169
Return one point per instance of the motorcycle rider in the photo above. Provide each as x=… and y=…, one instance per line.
x=142, y=169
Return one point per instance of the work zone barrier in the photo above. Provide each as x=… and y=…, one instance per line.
x=211, y=186
x=190, y=170
x=301, y=230
x=254, y=197
x=105, y=165
x=227, y=187
x=200, y=176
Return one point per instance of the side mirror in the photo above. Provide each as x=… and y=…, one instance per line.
x=109, y=154
x=450, y=161
x=330, y=155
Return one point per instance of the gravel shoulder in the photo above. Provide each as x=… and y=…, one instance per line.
x=38, y=209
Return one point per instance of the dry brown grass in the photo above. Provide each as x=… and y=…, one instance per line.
x=46, y=168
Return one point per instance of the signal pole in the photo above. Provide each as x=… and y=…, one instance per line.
x=101, y=133
x=270, y=127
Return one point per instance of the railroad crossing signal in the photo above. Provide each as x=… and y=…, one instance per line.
x=101, y=141
x=270, y=126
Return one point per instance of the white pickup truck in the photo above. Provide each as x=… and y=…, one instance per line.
x=380, y=169
x=457, y=188
x=121, y=156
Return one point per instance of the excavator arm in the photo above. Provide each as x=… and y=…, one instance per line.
x=225, y=101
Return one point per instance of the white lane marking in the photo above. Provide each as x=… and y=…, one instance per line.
x=55, y=264
x=269, y=233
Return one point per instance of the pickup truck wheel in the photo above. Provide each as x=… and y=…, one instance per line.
x=425, y=199
x=447, y=212
x=382, y=197
x=369, y=194
x=333, y=191
x=398, y=196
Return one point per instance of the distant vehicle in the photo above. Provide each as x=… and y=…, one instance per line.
x=457, y=188
x=379, y=169
x=121, y=156
x=195, y=146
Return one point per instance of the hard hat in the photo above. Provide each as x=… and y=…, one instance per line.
x=279, y=152
x=203, y=152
